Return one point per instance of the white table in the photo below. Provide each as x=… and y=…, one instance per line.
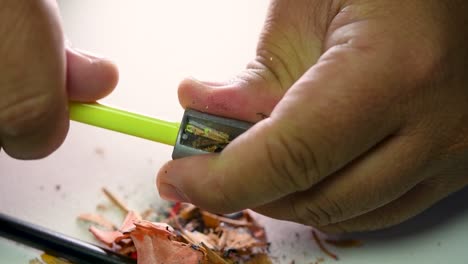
x=156, y=44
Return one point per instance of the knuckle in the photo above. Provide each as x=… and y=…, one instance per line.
x=23, y=113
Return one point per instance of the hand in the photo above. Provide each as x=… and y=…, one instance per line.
x=367, y=116
x=39, y=75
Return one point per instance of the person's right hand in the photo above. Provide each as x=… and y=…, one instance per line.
x=365, y=107
x=39, y=75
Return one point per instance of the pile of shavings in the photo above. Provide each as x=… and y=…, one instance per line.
x=184, y=234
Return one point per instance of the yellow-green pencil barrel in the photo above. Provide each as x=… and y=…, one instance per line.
x=125, y=122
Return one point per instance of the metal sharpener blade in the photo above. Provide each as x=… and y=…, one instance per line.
x=202, y=133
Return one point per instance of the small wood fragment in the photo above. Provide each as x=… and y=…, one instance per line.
x=319, y=260
x=322, y=247
x=349, y=243
x=101, y=207
x=212, y=257
x=188, y=211
x=260, y=259
x=119, y=203
x=213, y=220
x=106, y=237
x=97, y=219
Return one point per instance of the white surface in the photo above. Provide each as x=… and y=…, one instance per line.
x=156, y=44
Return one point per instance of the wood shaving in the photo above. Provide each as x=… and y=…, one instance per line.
x=116, y=200
x=97, y=220
x=187, y=235
x=349, y=243
x=322, y=247
x=213, y=220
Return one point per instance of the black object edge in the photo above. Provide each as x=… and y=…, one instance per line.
x=56, y=244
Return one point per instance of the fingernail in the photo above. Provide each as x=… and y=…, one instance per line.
x=171, y=193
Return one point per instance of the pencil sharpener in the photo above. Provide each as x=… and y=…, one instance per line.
x=202, y=133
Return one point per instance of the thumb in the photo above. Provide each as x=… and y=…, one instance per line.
x=89, y=77
x=247, y=97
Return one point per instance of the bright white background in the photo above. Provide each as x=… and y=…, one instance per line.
x=156, y=44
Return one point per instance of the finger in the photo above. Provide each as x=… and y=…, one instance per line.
x=288, y=46
x=322, y=123
x=247, y=98
x=382, y=175
x=33, y=109
x=418, y=199
x=89, y=78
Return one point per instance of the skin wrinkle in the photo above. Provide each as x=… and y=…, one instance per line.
x=345, y=168
x=306, y=216
x=16, y=118
x=304, y=159
x=279, y=185
x=267, y=65
x=420, y=191
x=301, y=65
x=312, y=52
x=267, y=42
x=335, y=210
x=257, y=69
x=394, y=212
x=323, y=118
x=16, y=81
x=294, y=172
x=351, y=15
x=375, y=101
x=418, y=165
x=331, y=11
x=309, y=160
x=322, y=142
x=324, y=216
x=267, y=56
x=264, y=60
x=18, y=23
